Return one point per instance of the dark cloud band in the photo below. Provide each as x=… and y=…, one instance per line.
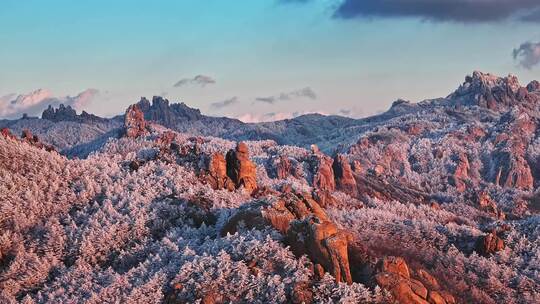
x=466, y=11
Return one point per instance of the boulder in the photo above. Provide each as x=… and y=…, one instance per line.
x=489, y=244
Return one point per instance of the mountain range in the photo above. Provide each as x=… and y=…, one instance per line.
x=428, y=202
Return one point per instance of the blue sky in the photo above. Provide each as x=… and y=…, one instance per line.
x=356, y=63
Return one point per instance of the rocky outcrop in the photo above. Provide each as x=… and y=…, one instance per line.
x=33, y=140
x=489, y=244
x=134, y=122
x=165, y=139
x=324, y=198
x=283, y=166
x=389, y=189
x=67, y=113
x=461, y=172
x=513, y=171
x=492, y=92
x=323, y=176
x=217, y=173
x=533, y=86
x=324, y=243
x=7, y=133
x=241, y=169
x=394, y=275
x=345, y=180
x=306, y=227
x=485, y=203
x=168, y=115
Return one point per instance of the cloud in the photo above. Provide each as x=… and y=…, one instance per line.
x=306, y=92
x=467, y=11
x=528, y=54
x=274, y=116
x=201, y=80
x=35, y=102
x=224, y=103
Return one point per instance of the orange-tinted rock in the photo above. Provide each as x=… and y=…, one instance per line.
x=395, y=265
x=476, y=132
x=402, y=289
x=418, y=288
x=241, y=169
x=461, y=173
x=283, y=167
x=324, y=198
x=217, y=173
x=435, y=297
x=357, y=167
x=448, y=297
x=323, y=177
x=211, y=297
x=428, y=279
x=302, y=293
x=33, y=140
x=488, y=205
x=166, y=138
x=516, y=174
x=489, y=244
x=134, y=122
x=344, y=176
x=324, y=243
x=7, y=134
x=27, y=135
x=306, y=227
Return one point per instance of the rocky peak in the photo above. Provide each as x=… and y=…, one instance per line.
x=166, y=114
x=533, y=86
x=67, y=113
x=134, y=122
x=492, y=92
x=241, y=170
x=344, y=175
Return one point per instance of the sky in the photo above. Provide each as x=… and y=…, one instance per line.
x=257, y=59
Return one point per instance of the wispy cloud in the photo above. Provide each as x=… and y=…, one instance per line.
x=33, y=103
x=200, y=80
x=306, y=92
x=467, y=11
x=224, y=103
x=528, y=54
x=274, y=116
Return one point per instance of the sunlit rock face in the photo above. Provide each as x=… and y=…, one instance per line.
x=241, y=169
x=134, y=122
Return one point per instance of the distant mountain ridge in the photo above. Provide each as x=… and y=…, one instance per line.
x=330, y=133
